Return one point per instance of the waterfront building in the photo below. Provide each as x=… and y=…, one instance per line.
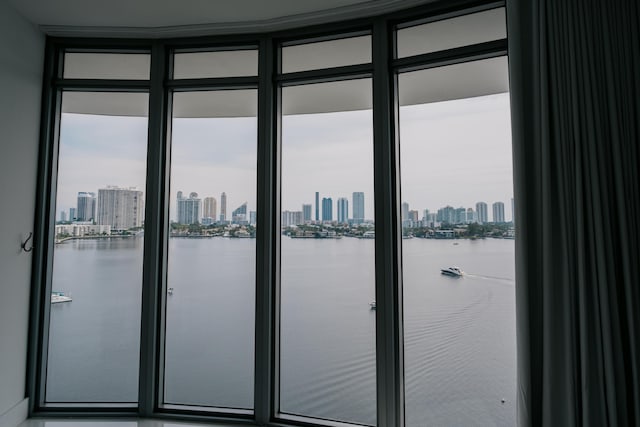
x=317, y=206
x=289, y=218
x=253, y=217
x=223, y=206
x=209, y=210
x=513, y=212
x=471, y=216
x=358, y=207
x=460, y=216
x=188, y=208
x=121, y=208
x=482, y=215
x=498, y=212
x=447, y=215
x=327, y=209
x=63, y=216
x=343, y=210
x=81, y=230
x=306, y=213
x=86, y=206
x=72, y=214
x=405, y=211
x=239, y=215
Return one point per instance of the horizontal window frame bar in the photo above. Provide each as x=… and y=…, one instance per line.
x=287, y=420
x=347, y=72
x=458, y=55
x=439, y=10
x=102, y=85
x=213, y=83
x=210, y=48
x=208, y=411
x=102, y=45
x=324, y=37
x=443, y=15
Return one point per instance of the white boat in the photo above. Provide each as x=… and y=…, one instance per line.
x=57, y=297
x=452, y=271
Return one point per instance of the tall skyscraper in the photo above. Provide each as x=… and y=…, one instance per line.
x=327, y=209
x=72, y=214
x=471, y=216
x=405, y=211
x=253, y=217
x=317, y=206
x=482, y=214
x=343, y=210
x=513, y=211
x=239, y=215
x=306, y=213
x=358, y=207
x=121, y=208
x=86, y=207
x=498, y=212
x=188, y=208
x=447, y=215
x=223, y=206
x=63, y=216
x=209, y=208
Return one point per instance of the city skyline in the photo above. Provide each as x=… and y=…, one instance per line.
x=478, y=165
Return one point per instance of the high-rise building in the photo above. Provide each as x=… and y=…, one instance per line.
x=72, y=214
x=343, y=210
x=405, y=211
x=239, y=215
x=498, y=212
x=460, y=216
x=317, y=206
x=482, y=214
x=327, y=209
x=253, y=217
x=86, y=207
x=63, y=216
x=358, y=207
x=306, y=213
x=413, y=216
x=471, y=216
x=188, y=208
x=446, y=215
x=513, y=211
x=121, y=208
x=223, y=206
x=290, y=218
x=209, y=209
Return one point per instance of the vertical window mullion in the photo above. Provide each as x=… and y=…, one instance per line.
x=389, y=338
x=156, y=227
x=267, y=256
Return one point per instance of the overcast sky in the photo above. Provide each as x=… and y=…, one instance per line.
x=452, y=153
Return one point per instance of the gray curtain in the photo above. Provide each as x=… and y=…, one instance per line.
x=575, y=93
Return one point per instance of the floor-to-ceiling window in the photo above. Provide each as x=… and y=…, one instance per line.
x=179, y=177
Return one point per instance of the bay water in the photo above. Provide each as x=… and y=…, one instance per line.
x=460, y=361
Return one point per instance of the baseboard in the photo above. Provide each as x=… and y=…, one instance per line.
x=16, y=415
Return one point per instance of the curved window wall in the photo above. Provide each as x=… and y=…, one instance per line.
x=285, y=263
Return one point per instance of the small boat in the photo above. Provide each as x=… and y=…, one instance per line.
x=372, y=304
x=452, y=271
x=57, y=297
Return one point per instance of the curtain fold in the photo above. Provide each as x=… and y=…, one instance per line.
x=574, y=69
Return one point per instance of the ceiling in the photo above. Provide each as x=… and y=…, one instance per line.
x=174, y=18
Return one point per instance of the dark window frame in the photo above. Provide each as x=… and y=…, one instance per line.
x=383, y=69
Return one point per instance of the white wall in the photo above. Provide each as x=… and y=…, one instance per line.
x=21, y=62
